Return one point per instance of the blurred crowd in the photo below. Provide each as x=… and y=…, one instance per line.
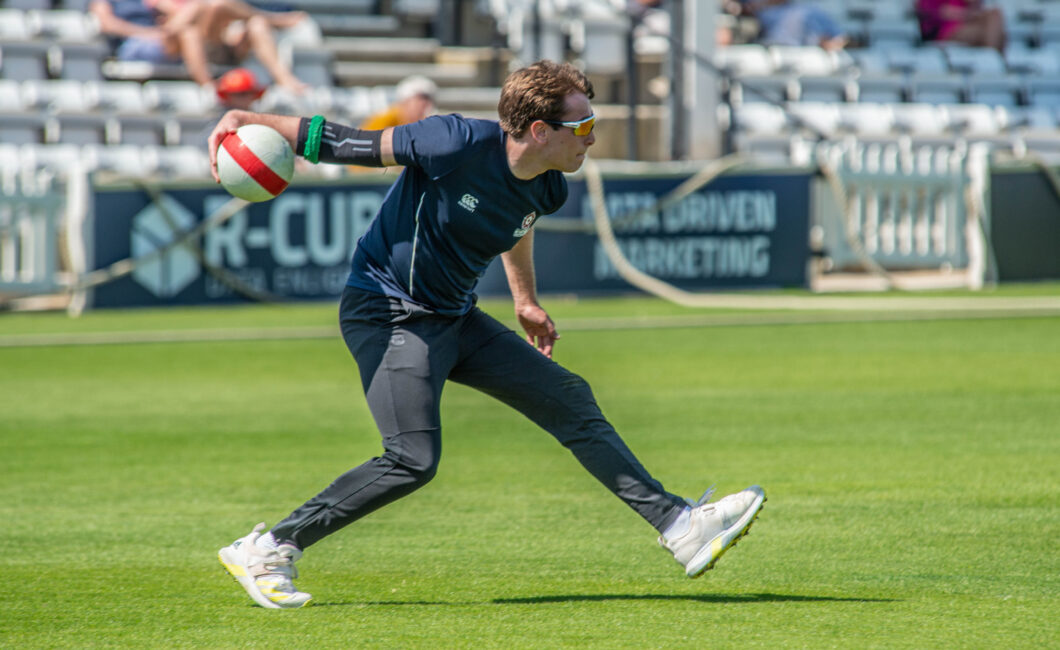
x=200, y=34
x=783, y=22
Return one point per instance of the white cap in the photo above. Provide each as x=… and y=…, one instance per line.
x=413, y=86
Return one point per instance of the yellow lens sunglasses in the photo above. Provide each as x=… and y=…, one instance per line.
x=581, y=127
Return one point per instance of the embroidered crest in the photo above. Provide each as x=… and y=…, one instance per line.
x=528, y=221
x=468, y=202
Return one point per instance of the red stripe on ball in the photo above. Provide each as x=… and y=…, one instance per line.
x=252, y=165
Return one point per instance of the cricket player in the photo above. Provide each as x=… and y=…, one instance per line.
x=471, y=190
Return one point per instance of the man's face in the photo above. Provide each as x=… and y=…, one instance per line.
x=566, y=151
x=417, y=108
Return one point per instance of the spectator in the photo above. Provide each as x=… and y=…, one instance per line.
x=197, y=33
x=961, y=21
x=783, y=23
x=413, y=101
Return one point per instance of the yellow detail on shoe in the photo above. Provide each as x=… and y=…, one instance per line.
x=716, y=547
x=278, y=597
x=272, y=594
x=234, y=569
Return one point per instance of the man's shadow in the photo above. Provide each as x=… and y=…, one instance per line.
x=575, y=598
x=701, y=598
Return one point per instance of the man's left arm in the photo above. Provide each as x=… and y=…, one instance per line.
x=519, y=267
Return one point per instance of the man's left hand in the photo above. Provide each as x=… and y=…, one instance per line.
x=540, y=330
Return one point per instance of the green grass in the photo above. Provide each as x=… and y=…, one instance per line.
x=911, y=469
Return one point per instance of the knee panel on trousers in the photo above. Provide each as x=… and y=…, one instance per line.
x=415, y=452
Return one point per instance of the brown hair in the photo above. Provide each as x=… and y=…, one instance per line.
x=538, y=92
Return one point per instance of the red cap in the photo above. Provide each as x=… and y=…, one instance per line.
x=238, y=80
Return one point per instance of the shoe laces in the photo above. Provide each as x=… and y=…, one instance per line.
x=703, y=499
x=280, y=563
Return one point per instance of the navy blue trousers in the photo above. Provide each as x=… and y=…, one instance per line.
x=405, y=355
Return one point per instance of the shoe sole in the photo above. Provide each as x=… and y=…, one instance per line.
x=236, y=570
x=709, y=555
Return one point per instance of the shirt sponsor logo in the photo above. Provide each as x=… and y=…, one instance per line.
x=528, y=221
x=468, y=202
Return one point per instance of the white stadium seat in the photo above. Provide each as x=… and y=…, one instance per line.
x=1030, y=117
x=183, y=162
x=11, y=99
x=816, y=118
x=834, y=88
x=883, y=88
x=929, y=59
x=124, y=97
x=972, y=119
x=739, y=60
x=804, y=60
x=13, y=26
x=893, y=32
x=974, y=60
x=1043, y=91
x=76, y=128
x=24, y=60
x=55, y=95
x=83, y=61
x=53, y=156
x=1032, y=61
x=22, y=128
x=996, y=90
x=920, y=119
x=65, y=25
x=178, y=97
x=937, y=88
x=762, y=88
x=865, y=118
x=126, y=159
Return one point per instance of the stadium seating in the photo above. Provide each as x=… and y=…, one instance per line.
x=913, y=89
x=21, y=60
x=59, y=85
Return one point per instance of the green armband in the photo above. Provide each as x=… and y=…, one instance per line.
x=312, y=141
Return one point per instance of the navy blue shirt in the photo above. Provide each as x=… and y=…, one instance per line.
x=454, y=208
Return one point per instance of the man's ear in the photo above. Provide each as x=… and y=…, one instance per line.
x=539, y=131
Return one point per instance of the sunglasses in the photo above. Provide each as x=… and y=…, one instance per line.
x=581, y=127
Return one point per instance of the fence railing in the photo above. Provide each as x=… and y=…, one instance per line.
x=29, y=250
x=42, y=251
x=889, y=207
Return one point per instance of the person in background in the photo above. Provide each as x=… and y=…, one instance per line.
x=196, y=33
x=413, y=101
x=783, y=23
x=966, y=22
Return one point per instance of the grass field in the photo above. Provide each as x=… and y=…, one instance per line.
x=912, y=469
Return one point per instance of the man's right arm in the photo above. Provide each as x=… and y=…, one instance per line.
x=337, y=143
x=289, y=127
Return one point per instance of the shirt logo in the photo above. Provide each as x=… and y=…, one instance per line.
x=468, y=202
x=528, y=221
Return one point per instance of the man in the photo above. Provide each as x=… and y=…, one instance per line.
x=471, y=190
x=966, y=22
x=413, y=101
x=783, y=22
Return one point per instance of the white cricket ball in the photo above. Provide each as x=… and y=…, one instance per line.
x=255, y=163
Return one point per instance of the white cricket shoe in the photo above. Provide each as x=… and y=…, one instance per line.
x=265, y=574
x=714, y=528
